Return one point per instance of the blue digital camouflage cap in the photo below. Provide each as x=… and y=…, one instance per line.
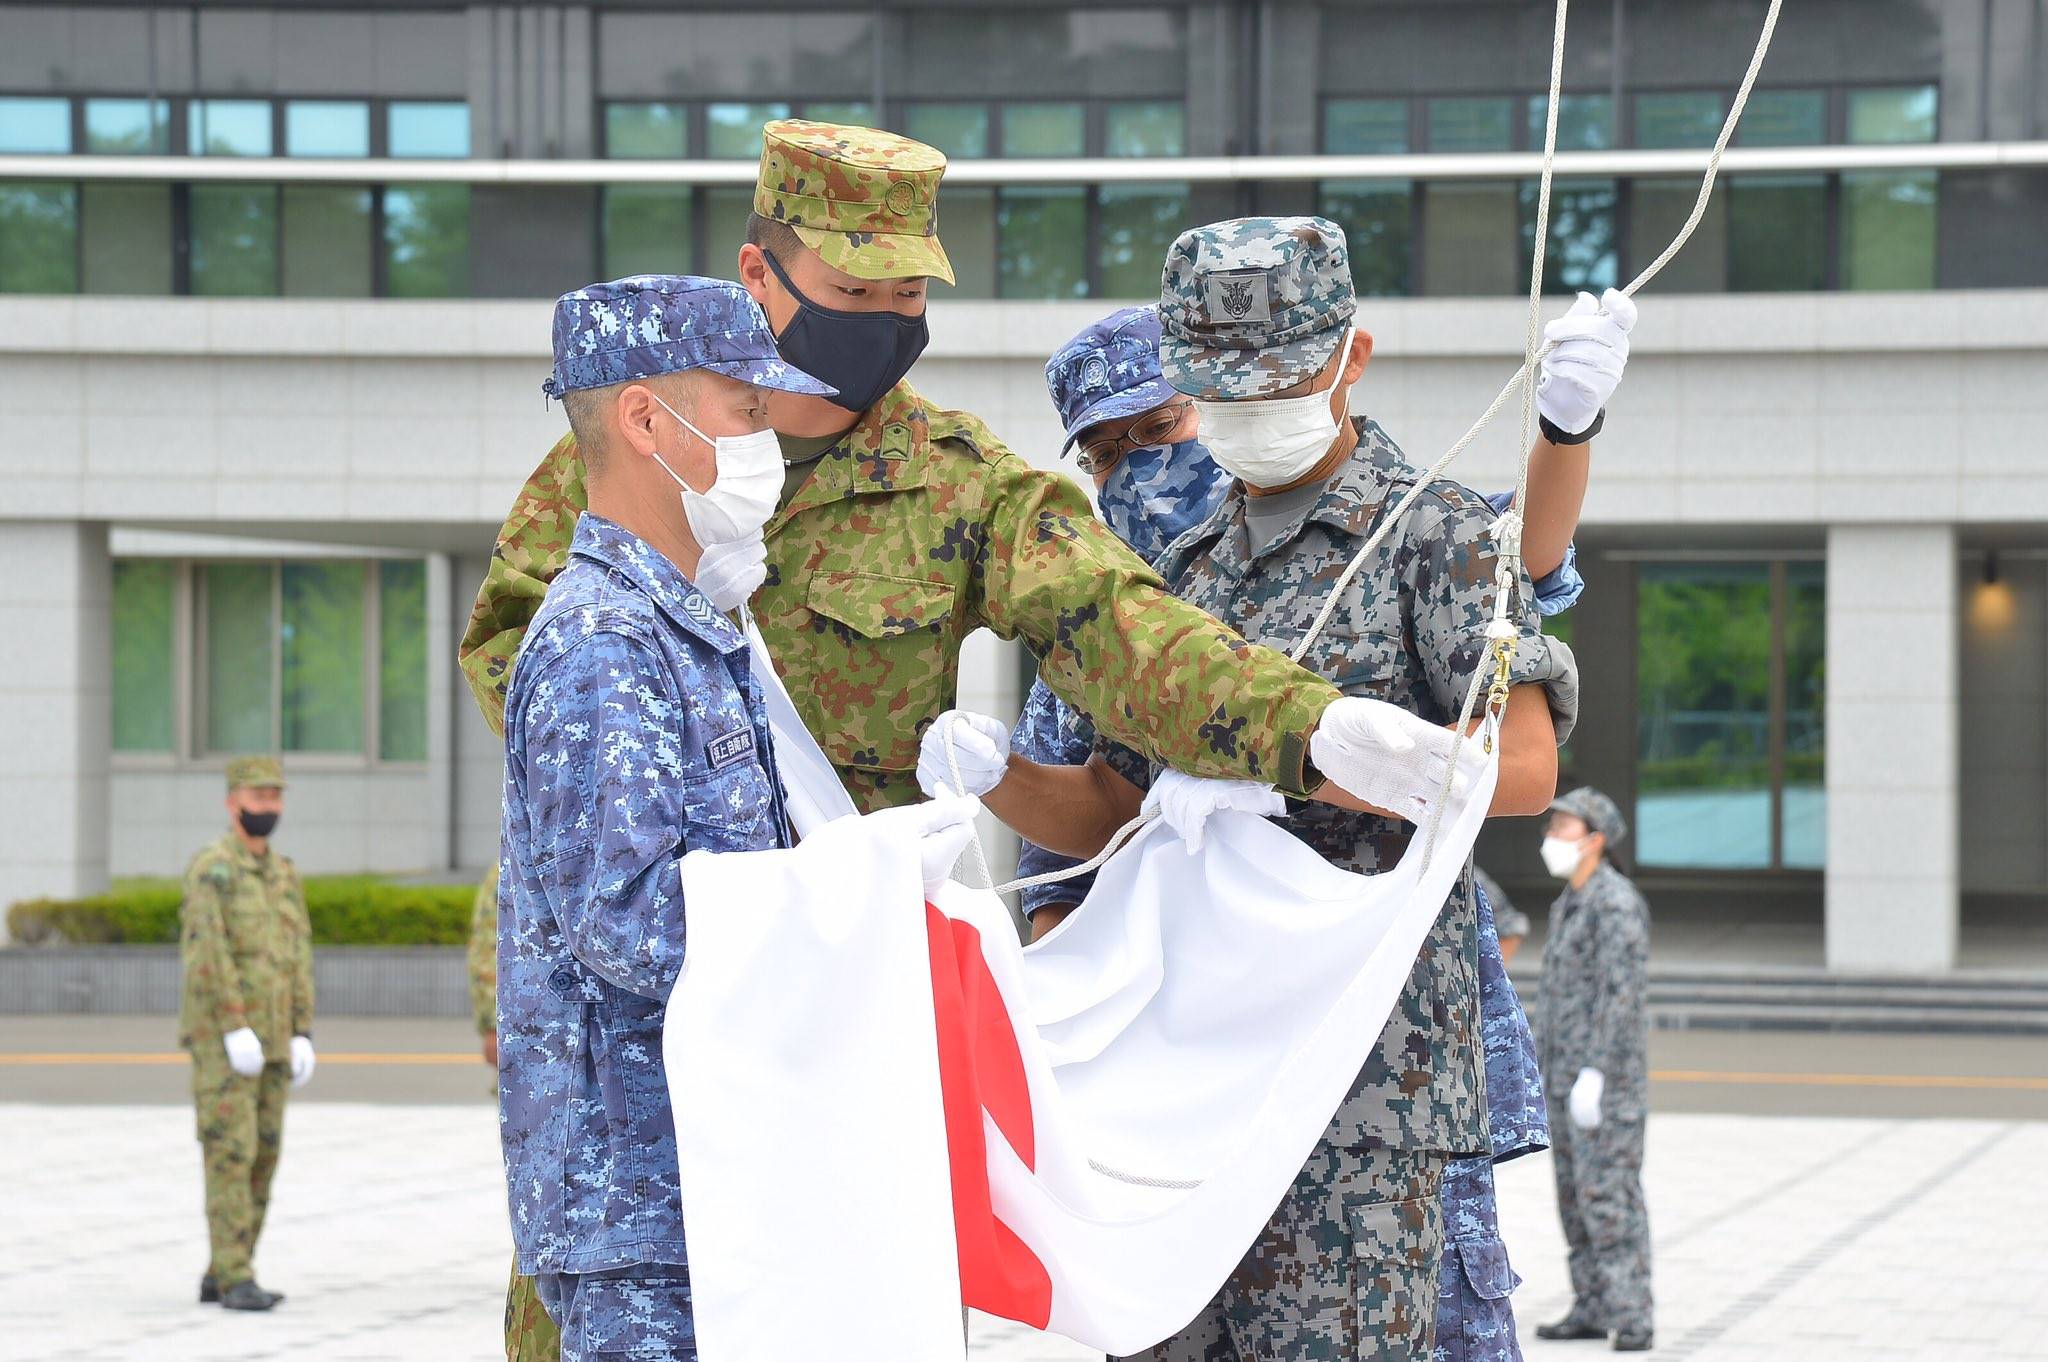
x=1595, y=810
x=1108, y=372
x=651, y=324
x=1253, y=305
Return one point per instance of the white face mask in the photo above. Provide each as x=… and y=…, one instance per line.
x=1272, y=441
x=744, y=492
x=1561, y=857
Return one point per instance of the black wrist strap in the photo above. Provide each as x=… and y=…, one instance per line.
x=1558, y=437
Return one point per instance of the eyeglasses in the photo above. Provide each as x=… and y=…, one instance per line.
x=1153, y=428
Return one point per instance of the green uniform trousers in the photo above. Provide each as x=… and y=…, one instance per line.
x=530, y=1336
x=241, y=1133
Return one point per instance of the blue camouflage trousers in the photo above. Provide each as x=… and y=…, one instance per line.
x=641, y=1313
x=1475, y=1320
x=1346, y=1269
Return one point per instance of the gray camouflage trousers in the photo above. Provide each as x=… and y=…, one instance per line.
x=1346, y=1269
x=1606, y=1225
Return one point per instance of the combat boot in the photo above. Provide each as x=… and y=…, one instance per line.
x=1570, y=1328
x=209, y=1290
x=1632, y=1340
x=248, y=1296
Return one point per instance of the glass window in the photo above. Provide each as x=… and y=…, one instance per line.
x=1899, y=115
x=1584, y=122
x=426, y=240
x=725, y=224
x=1365, y=127
x=1470, y=124
x=1150, y=128
x=38, y=238
x=1888, y=229
x=1044, y=130
x=418, y=127
x=1703, y=665
x=402, y=661
x=1377, y=217
x=127, y=238
x=322, y=657
x=145, y=615
x=1805, y=812
x=328, y=252
x=733, y=131
x=646, y=230
x=1657, y=209
x=228, y=127
x=970, y=237
x=1042, y=229
x=1784, y=118
x=35, y=126
x=1470, y=239
x=326, y=127
x=853, y=112
x=658, y=132
x=1582, y=251
x=128, y=126
x=1688, y=119
x=239, y=631
x=1777, y=233
x=234, y=240
x=959, y=130
x=1138, y=222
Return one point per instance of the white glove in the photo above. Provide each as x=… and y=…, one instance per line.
x=302, y=1060
x=980, y=744
x=730, y=573
x=1577, y=378
x=1184, y=802
x=245, y=1052
x=943, y=827
x=1585, y=1099
x=1384, y=755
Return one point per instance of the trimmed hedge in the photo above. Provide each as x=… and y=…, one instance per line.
x=346, y=910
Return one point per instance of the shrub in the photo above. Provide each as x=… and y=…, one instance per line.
x=346, y=910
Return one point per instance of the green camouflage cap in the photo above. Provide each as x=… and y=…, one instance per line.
x=1596, y=810
x=247, y=772
x=1253, y=305
x=865, y=200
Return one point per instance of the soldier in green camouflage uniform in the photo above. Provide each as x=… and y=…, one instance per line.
x=483, y=964
x=246, y=1018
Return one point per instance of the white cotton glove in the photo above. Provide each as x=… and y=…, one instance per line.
x=1184, y=802
x=730, y=573
x=1585, y=1098
x=245, y=1052
x=1384, y=755
x=302, y=1060
x=1578, y=377
x=943, y=825
x=980, y=744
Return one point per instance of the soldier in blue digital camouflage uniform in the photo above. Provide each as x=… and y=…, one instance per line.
x=634, y=732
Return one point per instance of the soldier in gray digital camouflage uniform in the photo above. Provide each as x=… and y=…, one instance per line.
x=1593, y=1046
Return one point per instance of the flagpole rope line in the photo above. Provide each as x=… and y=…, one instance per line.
x=1501, y=632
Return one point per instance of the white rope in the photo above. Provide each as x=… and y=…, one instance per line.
x=1507, y=575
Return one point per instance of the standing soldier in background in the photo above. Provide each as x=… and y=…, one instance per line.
x=483, y=964
x=247, y=1020
x=1594, y=1048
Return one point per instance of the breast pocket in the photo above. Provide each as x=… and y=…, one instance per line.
x=894, y=672
x=728, y=810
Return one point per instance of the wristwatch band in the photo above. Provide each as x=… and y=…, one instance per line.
x=1558, y=437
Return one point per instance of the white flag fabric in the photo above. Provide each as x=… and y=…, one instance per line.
x=886, y=1107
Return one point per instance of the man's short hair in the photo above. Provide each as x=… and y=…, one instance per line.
x=778, y=239
x=586, y=408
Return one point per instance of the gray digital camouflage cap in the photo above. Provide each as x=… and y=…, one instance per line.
x=651, y=324
x=1253, y=305
x=1597, y=811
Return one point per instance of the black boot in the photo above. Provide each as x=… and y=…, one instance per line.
x=248, y=1296
x=1632, y=1340
x=209, y=1290
x=1569, y=1329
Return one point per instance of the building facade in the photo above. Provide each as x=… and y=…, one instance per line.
x=273, y=317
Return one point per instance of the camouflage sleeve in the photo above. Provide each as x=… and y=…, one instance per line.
x=1620, y=983
x=1052, y=735
x=1151, y=671
x=531, y=548
x=1559, y=589
x=483, y=954
x=213, y=986
x=302, y=963
x=1448, y=575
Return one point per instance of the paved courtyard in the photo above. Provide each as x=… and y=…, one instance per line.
x=1809, y=1238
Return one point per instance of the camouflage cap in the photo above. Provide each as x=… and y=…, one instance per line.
x=1108, y=371
x=865, y=200
x=651, y=324
x=1598, y=812
x=1253, y=305
x=255, y=772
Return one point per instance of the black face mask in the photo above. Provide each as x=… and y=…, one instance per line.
x=863, y=354
x=256, y=824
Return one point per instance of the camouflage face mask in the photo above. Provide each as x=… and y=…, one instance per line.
x=1155, y=495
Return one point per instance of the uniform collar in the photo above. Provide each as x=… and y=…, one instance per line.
x=888, y=450
x=646, y=568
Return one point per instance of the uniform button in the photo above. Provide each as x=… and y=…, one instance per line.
x=562, y=981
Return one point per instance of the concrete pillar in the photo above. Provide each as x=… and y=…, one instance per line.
x=1893, y=894
x=991, y=683
x=56, y=724
x=443, y=630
